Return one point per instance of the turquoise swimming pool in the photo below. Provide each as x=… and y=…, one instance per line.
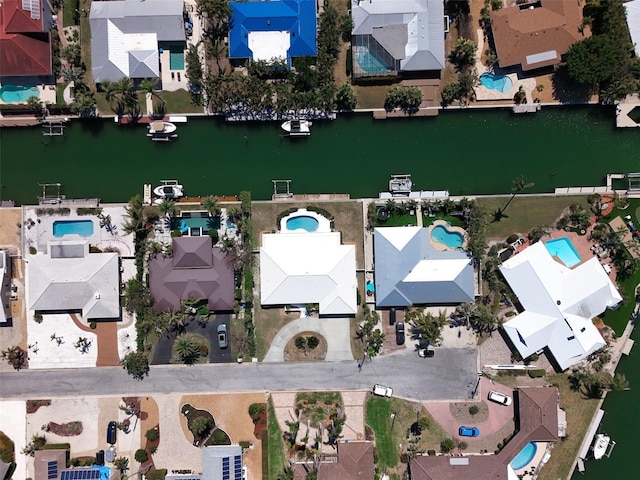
x=450, y=239
x=501, y=83
x=302, y=222
x=198, y=222
x=17, y=93
x=84, y=228
x=564, y=250
x=525, y=456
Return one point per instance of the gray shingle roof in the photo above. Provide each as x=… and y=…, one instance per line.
x=409, y=271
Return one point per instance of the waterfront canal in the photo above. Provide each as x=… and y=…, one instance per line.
x=465, y=152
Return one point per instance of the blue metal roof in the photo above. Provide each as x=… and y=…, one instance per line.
x=296, y=16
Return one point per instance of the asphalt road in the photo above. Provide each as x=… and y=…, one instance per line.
x=450, y=375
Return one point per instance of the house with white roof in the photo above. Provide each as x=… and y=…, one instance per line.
x=559, y=304
x=410, y=271
x=67, y=278
x=397, y=36
x=632, y=10
x=126, y=37
x=310, y=267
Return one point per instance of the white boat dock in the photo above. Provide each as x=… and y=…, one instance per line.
x=178, y=119
x=147, y=193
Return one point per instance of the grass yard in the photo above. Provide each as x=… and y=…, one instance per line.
x=85, y=43
x=70, y=13
x=371, y=96
x=275, y=447
x=398, y=221
x=179, y=101
x=580, y=411
x=525, y=212
x=377, y=416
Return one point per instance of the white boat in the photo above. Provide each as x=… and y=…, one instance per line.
x=297, y=128
x=169, y=189
x=400, y=184
x=600, y=445
x=159, y=127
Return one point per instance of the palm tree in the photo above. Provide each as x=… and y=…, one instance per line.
x=447, y=206
x=186, y=349
x=210, y=204
x=168, y=208
x=411, y=205
x=148, y=85
x=122, y=464
x=464, y=313
x=519, y=184
x=391, y=206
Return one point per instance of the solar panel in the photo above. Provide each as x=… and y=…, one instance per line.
x=52, y=470
x=237, y=461
x=76, y=474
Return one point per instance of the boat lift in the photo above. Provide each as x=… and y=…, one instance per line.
x=53, y=128
x=50, y=199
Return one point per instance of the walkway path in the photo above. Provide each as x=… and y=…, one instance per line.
x=334, y=330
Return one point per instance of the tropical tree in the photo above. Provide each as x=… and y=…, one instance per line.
x=194, y=70
x=200, y=426
x=148, y=85
x=14, y=356
x=35, y=104
x=518, y=185
x=121, y=464
x=136, y=364
x=464, y=313
x=168, y=208
x=84, y=101
x=464, y=53
x=186, y=349
x=211, y=205
x=345, y=97
x=427, y=326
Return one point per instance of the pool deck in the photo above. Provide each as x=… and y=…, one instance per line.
x=441, y=247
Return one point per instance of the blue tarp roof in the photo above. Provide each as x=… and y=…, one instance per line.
x=296, y=16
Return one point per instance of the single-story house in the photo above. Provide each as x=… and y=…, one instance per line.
x=354, y=462
x=536, y=34
x=127, y=35
x=5, y=287
x=397, y=36
x=196, y=270
x=632, y=9
x=559, y=304
x=536, y=421
x=277, y=29
x=304, y=268
x=67, y=278
x=410, y=271
x=25, y=42
x=222, y=462
x=49, y=464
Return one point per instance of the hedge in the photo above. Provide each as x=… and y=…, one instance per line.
x=56, y=446
x=156, y=474
x=537, y=373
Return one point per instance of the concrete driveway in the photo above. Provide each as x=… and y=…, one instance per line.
x=334, y=330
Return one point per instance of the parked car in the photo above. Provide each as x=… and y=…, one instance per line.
x=500, y=398
x=426, y=353
x=400, y=333
x=382, y=391
x=112, y=432
x=222, y=336
x=469, y=431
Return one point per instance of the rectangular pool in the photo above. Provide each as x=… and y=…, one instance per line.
x=84, y=228
x=564, y=250
x=198, y=220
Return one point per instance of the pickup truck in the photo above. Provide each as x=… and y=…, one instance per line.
x=382, y=391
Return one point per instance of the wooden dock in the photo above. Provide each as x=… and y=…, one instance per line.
x=200, y=199
x=526, y=108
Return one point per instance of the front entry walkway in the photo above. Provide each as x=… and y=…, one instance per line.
x=334, y=330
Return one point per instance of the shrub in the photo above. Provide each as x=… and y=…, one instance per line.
x=256, y=410
x=463, y=445
x=539, y=373
x=512, y=238
x=312, y=342
x=446, y=445
x=176, y=233
x=431, y=453
x=33, y=250
x=37, y=318
x=141, y=455
x=156, y=474
x=301, y=343
x=219, y=437
x=244, y=444
x=473, y=409
x=152, y=434
x=93, y=325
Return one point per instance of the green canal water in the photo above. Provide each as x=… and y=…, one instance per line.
x=464, y=152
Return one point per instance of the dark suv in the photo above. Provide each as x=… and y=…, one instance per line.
x=400, y=333
x=112, y=430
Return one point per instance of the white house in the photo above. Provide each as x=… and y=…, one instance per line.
x=559, y=304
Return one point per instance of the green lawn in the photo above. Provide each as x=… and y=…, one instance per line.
x=617, y=319
x=179, y=101
x=378, y=417
x=525, y=212
x=398, y=221
x=275, y=449
x=70, y=16
x=85, y=43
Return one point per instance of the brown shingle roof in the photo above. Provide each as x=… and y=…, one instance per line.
x=197, y=270
x=41, y=463
x=538, y=421
x=521, y=33
x=355, y=462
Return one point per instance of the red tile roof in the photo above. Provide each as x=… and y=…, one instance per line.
x=24, y=48
x=538, y=422
x=520, y=32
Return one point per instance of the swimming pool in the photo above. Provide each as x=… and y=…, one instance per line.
x=525, y=456
x=501, y=83
x=17, y=93
x=564, y=250
x=201, y=220
x=84, y=228
x=450, y=239
x=303, y=222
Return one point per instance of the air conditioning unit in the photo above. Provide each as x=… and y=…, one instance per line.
x=97, y=296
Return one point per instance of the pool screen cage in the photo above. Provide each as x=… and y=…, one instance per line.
x=370, y=59
x=634, y=182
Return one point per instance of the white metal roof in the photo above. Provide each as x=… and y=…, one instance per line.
x=559, y=304
x=269, y=45
x=88, y=283
x=633, y=21
x=300, y=268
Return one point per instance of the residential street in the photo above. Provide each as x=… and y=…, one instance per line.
x=451, y=374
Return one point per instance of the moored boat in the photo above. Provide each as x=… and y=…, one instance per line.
x=169, y=189
x=400, y=184
x=297, y=128
x=160, y=127
x=600, y=445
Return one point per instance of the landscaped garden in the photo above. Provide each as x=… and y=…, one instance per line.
x=306, y=346
x=203, y=427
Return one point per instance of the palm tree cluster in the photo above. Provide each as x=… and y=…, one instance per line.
x=426, y=326
x=122, y=98
x=477, y=317
x=371, y=337
x=618, y=251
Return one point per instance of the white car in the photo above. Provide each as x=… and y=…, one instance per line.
x=382, y=391
x=500, y=398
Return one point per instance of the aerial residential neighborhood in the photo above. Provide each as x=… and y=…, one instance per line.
x=305, y=239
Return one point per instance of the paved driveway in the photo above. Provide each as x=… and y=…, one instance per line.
x=451, y=374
